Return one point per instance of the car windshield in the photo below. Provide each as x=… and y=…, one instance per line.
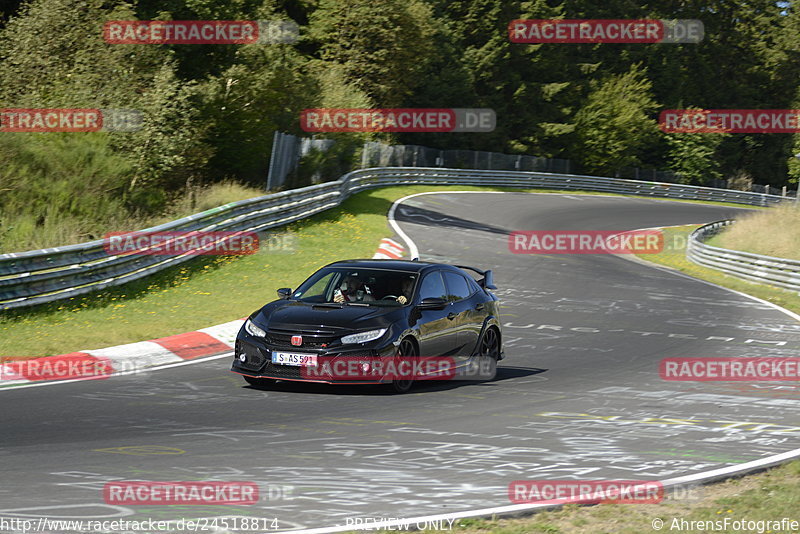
x=372, y=287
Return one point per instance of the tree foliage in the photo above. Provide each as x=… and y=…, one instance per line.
x=211, y=110
x=614, y=126
x=692, y=156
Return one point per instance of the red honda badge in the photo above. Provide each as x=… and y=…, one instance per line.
x=297, y=340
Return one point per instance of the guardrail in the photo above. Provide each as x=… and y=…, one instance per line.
x=754, y=267
x=47, y=275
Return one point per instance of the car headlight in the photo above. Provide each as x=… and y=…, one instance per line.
x=253, y=330
x=363, y=337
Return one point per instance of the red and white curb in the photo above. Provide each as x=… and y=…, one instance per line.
x=123, y=359
x=389, y=250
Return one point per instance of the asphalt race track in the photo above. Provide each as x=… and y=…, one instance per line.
x=577, y=397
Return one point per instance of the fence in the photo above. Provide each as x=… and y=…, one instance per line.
x=381, y=155
x=653, y=175
x=39, y=276
x=287, y=150
x=754, y=267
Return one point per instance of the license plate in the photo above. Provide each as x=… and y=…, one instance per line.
x=295, y=359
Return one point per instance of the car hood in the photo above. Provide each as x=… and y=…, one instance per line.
x=285, y=313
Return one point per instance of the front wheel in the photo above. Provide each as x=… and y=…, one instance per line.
x=407, y=349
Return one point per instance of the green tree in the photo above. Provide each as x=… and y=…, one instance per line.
x=263, y=92
x=53, y=55
x=383, y=47
x=614, y=125
x=528, y=86
x=167, y=151
x=793, y=162
x=692, y=155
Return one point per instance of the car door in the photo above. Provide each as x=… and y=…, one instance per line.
x=466, y=323
x=437, y=333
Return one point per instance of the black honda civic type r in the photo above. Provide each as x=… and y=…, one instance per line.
x=377, y=311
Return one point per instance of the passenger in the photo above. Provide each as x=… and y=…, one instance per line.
x=352, y=290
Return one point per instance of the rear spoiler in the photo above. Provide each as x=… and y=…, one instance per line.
x=487, y=282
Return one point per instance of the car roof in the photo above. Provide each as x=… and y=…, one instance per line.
x=396, y=265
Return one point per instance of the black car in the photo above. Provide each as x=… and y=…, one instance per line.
x=381, y=315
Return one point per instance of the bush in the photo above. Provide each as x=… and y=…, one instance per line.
x=58, y=187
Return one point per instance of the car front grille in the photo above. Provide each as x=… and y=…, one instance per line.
x=281, y=371
x=312, y=339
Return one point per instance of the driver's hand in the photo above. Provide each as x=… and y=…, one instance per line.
x=402, y=299
x=338, y=298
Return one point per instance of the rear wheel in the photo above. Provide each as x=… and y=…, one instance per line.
x=407, y=349
x=489, y=354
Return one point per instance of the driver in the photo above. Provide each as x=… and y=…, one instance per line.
x=407, y=288
x=352, y=290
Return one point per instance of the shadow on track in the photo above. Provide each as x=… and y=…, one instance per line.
x=432, y=218
x=423, y=386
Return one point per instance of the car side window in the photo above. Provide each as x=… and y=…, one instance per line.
x=457, y=286
x=473, y=285
x=432, y=286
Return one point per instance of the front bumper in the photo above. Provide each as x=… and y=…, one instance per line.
x=258, y=361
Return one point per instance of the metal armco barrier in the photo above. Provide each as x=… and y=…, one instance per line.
x=754, y=267
x=38, y=276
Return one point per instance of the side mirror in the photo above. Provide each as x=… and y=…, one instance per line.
x=284, y=293
x=432, y=303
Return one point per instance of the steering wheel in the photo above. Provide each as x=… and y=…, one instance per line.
x=389, y=297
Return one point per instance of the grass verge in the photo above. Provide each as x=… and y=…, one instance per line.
x=674, y=256
x=774, y=232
